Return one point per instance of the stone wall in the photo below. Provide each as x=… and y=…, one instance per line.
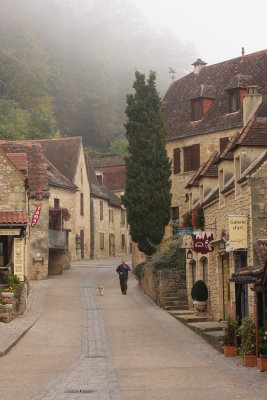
x=38, y=250
x=161, y=283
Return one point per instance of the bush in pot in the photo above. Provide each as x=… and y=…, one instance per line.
x=262, y=345
x=247, y=331
x=199, y=295
x=229, y=339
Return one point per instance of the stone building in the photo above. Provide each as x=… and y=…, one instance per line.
x=233, y=184
x=109, y=233
x=67, y=155
x=29, y=160
x=203, y=110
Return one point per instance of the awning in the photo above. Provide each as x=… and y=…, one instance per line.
x=13, y=218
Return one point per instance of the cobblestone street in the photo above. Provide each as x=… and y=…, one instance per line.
x=116, y=347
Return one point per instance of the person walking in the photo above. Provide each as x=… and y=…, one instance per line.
x=122, y=270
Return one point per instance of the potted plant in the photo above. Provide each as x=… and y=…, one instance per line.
x=247, y=331
x=229, y=339
x=199, y=295
x=262, y=344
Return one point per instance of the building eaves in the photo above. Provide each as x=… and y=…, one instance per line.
x=253, y=166
x=211, y=196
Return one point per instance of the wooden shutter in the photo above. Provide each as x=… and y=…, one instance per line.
x=176, y=161
x=195, y=156
x=101, y=209
x=196, y=110
x=81, y=204
x=175, y=213
x=223, y=143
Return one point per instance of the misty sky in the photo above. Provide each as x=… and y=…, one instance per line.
x=217, y=29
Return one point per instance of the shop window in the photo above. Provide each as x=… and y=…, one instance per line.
x=240, y=260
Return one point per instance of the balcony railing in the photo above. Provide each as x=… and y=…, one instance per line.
x=58, y=239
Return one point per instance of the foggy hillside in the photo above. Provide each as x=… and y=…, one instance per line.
x=67, y=65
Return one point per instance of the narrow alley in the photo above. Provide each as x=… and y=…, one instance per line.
x=85, y=346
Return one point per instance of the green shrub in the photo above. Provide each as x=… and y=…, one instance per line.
x=199, y=291
x=168, y=256
x=13, y=281
x=247, y=331
x=139, y=270
x=230, y=332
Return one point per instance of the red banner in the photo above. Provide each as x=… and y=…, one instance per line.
x=36, y=216
x=202, y=242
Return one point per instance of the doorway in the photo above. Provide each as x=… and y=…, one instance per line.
x=82, y=243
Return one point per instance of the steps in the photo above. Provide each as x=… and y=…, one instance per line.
x=203, y=325
x=175, y=301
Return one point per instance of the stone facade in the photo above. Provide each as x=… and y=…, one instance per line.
x=38, y=249
x=82, y=219
x=109, y=233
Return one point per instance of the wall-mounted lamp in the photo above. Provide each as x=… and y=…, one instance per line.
x=222, y=244
x=22, y=233
x=186, y=197
x=189, y=255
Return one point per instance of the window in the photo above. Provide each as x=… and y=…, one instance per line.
x=99, y=176
x=101, y=209
x=196, y=109
x=176, y=161
x=110, y=215
x=102, y=241
x=191, y=158
x=233, y=101
x=123, y=214
x=194, y=272
x=81, y=204
x=123, y=240
x=205, y=270
x=56, y=203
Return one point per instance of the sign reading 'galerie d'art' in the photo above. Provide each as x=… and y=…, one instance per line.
x=36, y=216
x=238, y=231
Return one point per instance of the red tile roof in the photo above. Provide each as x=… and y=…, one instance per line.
x=242, y=71
x=37, y=177
x=108, y=162
x=14, y=217
x=255, y=133
x=20, y=161
x=115, y=180
x=56, y=178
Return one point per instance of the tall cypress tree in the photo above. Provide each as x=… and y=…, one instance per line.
x=147, y=194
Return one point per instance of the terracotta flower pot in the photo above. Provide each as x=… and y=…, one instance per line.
x=262, y=364
x=249, y=360
x=230, y=351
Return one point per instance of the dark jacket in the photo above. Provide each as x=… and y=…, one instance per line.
x=123, y=271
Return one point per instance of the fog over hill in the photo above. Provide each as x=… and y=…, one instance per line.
x=67, y=65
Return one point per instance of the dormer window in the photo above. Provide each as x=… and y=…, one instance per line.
x=234, y=103
x=196, y=109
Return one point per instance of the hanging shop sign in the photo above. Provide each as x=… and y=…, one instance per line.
x=202, y=241
x=238, y=231
x=185, y=239
x=36, y=216
x=19, y=258
x=9, y=232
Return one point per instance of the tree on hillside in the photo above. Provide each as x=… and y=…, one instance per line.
x=147, y=195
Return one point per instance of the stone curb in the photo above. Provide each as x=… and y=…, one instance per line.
x=12, y=332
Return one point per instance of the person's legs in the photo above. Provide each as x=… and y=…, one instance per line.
x=122, y=285
x=125, y=286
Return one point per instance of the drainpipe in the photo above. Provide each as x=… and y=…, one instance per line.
x=223, y=289
x=127, y=240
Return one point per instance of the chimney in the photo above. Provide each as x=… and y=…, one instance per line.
x=243, y=51
x=251, y=101
x=198, y=65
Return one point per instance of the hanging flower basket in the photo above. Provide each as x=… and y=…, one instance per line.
x=194, y=219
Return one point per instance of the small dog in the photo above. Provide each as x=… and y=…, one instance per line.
x=101, y=290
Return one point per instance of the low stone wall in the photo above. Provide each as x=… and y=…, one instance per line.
x=162, y=283
x=18, y=307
